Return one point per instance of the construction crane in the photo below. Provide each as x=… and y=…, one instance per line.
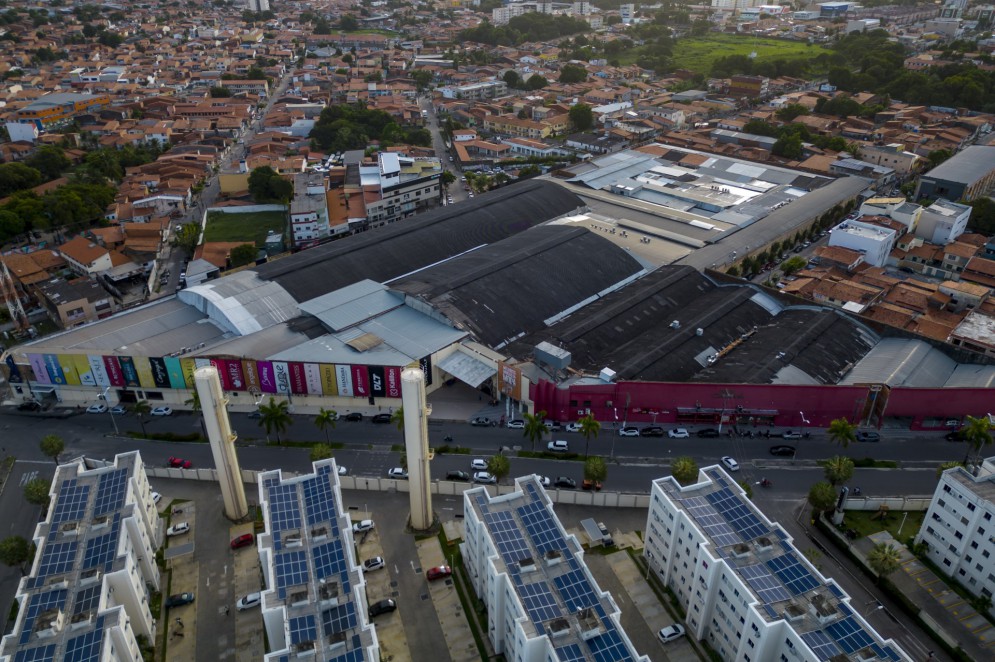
x=17, y=314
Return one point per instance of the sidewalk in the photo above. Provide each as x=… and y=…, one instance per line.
x=455, y=628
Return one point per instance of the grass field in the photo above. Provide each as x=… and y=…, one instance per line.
x=251, y=226
x=698, y=53
x=866, y=523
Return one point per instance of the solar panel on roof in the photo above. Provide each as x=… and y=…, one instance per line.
x=845, y=610
x=38, y=604
x=338, y=619
x=285, y=511
x=86, y=647
x=575, y=590
x=737, y=514
x=770, y=611
x=890, y=653
x=302, y=628
x=70, y=504
x=766, y=586
x=794, y=575
x=356, y=655
x=38, y=654
x=330, y=561
x=823, y=647
x=111, y=489
x=541, y=527
x=319, y=499
x=849, y=635
x=291, y=570
x=539, y=601
x=86, y=599
x=835, y=590
x=507, y=536
x=58, y=557
x=100, y=550
x=608, y=647
x=571, y=653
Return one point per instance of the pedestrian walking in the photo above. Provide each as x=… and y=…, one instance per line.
x=227, y=609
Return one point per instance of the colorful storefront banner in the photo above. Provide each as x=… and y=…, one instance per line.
x=282, y=374
x=128, y=370
x=343, y=378
x=267, y=380
x=360, y=381
x=329, y=380
x=38, y=367
x=144, y=370
x=174, y=368
x=68, y=364
x=54, y=369
x=189, y=366
x=99, y=370
x=232, y=369
x=250, y=375
x=378, y=385
x=426, y=367
x=160, y=375
x=392, y=374
x=13, y=372
x=114, y=372
x=312, y=378
x=82, y=364
x=298, y=380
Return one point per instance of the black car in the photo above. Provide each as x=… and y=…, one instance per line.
x=652, y=431
x=380, y=418
x=708, y=433
x=179, y=600
x=382, y=607
x=956, y=435
x=461, y=476
x=865, y=435
x=782, y=451
x=565, y=481
x=353, y=416
x=30, y=405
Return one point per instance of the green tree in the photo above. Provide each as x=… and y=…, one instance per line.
x=422, y=78
x=498, y=466
x=938, y=156
x=572, y=73
x=50, y=161
x=219, y=92
x=978, y=434
x=685, y=470
x=947, y=465
x=788, y=146
x=822, y=496
x=793, y=264
x=838, y=470
x=36, y=493
x=791, y=111
x=397, y=418
x=582, y=116
x=589, y=427
x=275, y=416
x=535, y=427
x=447, y=178
x=320, y=452
x=52, y=446
x=266, y=185
x=596, y=469
x=884, y=559
x=17, y=177
x=536, y=82
x=512, y=79
x=842, y=432
x=349, y=23
x=325, y=419
x=15, y=551
x=193, y=401
x=242, y=255
x=187, y=237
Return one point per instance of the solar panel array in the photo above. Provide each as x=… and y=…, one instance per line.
x=291, y=570
x=57, y=558
x=541, y=527
x=71, y=502
x=302, y=628
x=570, y=653
x=319, y=499
x=794, y=575
x=329, y=560
x=820, y=643
x=766, y=585
x=284, y=508
x=111, y=489
x=39, y=654
x=737, y=514
x=86, y=599
x=575, y=590
x=86, y=647
x=40, y=603
x=339, y=619
x=101, y=550
x=507, y=536
x=539, y=601
x=609, y=646
x=356, y=655
x=709, y=519
x=849, y=634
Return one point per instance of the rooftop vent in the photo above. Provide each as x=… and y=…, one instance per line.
x=527, y=564
x=328, y=591
x=553, y=557
x=319, y=533
x=292, y=538
x=89, y=576
x=69, y=528
x=793, y=613
x=337, y=639
x=298, y=598
x=558, y=627
x=100, y=522
x=822, y=608
x=740, y=550
x=764, y=544
x=590, y=624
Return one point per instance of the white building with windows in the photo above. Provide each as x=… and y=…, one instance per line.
x=874, y=241
x=746, y=589
x=943, y=221
x=542, y=603
x=959, y=529
x=404, y=185
x=86, y=596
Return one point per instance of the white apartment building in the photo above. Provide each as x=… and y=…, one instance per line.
x=627, y=12
x=405, y=184
x=476, y=91
x=959, y=529
x=314, y=605
x=542, y=603
x=309, y=210
x=897, y=209
x=746, y=589
x=943, y=221
x=874, y=241
x=87, y=594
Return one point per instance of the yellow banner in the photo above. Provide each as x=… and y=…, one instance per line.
x=68, y=364
x=144, y=371
x=329, y=385
x=188, y=366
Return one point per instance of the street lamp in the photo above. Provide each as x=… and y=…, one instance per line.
x=110, y=410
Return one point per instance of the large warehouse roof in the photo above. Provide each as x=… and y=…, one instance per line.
x=967, y=166
x=504, y=290
x=402, y=248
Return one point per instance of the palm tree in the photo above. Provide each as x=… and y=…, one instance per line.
x=326, y=419
x=589, y=427
x=884, y=559
x=838, y=469
x=397, y=418
x=535, y=427
x=142, y=409
x=595, y=469
x=842, y=432
x=978, y=433
x=275, y=416
x=498, y=466
x=194, y=401
x=822, y=496
x=685, y=470
x=320, y=452
x=52, y=446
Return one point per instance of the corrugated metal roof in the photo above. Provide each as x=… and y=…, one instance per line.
x=902, y=362
x=352, y=304
x=466, y=368
x=242, y=302
x=965, y=167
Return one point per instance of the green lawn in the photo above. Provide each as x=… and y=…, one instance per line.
x=251, y=226
x=862, y=522
x=698, y=53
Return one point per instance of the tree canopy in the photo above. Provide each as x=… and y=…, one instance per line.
x=354, y=126
x=529, y=27
x=582, y=116
x=267, y=185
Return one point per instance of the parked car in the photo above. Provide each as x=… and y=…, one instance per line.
x=119, y=410
x=244, y=540
x=544, y=480
x=553, y=426
x=516, y=424
x=179, y=463
x=484, y=477
x=96, y=409
x=481, y=422
x=179, y=600
x=565, y=482
x=382, y=607
x=791, y=434
x=249, y=601
x=380, y=418
x=460, y=476
x=867, y=435
x=708, y=433
x=362, y=526
x=156, y=498
x=729, y=463
x=558, y=446
x=398, y=473
x=353, y=416
x=589, y=484
x=572, y=427
x=438, y=572
x=652, y=431
x=376, y=563
x=629, y=432
x=670, y=633
x=678, y=433
x=162, y=411
x=782, y=451
x=30, y=405
x=178, y=529
x=343, y=470
x=478, y=464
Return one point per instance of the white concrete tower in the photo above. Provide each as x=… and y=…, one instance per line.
x=219, y=433
x=416, y=445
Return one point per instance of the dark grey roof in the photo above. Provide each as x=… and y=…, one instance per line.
x=630, y=332
x=966, y=167
x=413, y=243
x=511, y=287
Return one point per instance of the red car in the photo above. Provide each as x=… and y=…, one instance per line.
x=244, y=540
x=179, y=463
x=438, y=573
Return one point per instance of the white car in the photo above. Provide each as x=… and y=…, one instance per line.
x=343, y=470
x=96, y=409
x=484, y=477
x=572, y=427
x=178, y=529
x=162, y=411
x=558, y=446
x=516, y=424
x=729, y=463
x=249, y=601
x=544, y=480
x=629, y=432
x=478, y=464
x=376, y=563
x=670, y=633
x=156, y=498
x=679, y=433
x=362, y=526
x=397, y=473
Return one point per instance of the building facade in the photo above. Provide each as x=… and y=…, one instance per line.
x=942, y=222
x=874, y=241
x=966, y=175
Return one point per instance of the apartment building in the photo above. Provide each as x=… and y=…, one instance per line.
x=399, y=186
x=476, y=91
x=314, y=604
x=967, y=175
x=86, y=596
x=542, y=603
x=874, y=241
x=59, y=108
x=746, y=589
x=309, y=210
x=943, y=221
